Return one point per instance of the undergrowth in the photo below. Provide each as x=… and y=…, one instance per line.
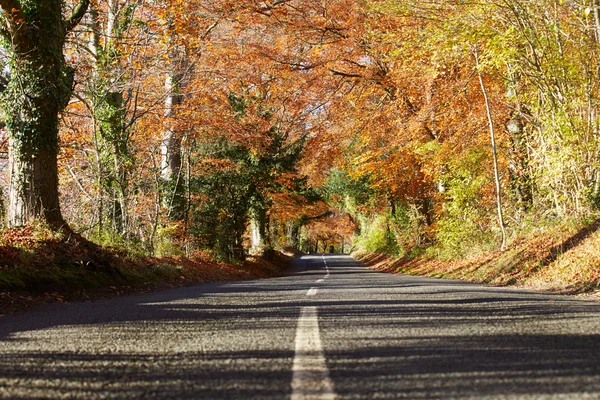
x=37, y=259
x=563, y=257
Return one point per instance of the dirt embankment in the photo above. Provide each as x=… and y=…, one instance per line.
x=564, y=261
x=41, y=266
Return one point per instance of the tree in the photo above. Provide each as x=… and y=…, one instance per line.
x=238, y=179
x=39, y=88
x=494, y=151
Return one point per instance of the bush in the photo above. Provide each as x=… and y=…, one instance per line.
x=376, y=236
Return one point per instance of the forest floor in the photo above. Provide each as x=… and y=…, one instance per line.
x=561, y=260
x=38, y=265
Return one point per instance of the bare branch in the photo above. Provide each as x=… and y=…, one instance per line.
x=326, y=214
x=344, y=74
x=209, y=29
x=78, y=13
x=267, y=9
x=275, y=4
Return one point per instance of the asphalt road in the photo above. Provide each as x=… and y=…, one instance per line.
x=333, y=329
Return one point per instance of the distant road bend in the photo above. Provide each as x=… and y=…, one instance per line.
x=332, y=330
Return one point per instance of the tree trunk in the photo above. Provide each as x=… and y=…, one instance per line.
x=39, y=89
x=171, y=161
x=107, y=91
x=33, y=188
x=257, y=243
x=596, y=11
x=520, y=179
x=519, y=172
x=112, y=145
x=494, y=152
x=293, y=235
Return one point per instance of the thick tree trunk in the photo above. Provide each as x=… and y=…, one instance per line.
x=521, y=183
x=112, y=152
x=33, y=188
x=33, y=130
x=39, y=89
x=171, y=143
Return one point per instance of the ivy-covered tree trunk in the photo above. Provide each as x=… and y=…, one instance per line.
x=112, y=139
x=293, y=235
x=39, y=88
x=109, y=107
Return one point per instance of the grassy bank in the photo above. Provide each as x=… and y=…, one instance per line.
x=38, y=265
x=564, y=259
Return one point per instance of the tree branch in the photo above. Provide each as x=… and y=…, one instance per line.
x=320, y=216
x=78, y=13
x=269, y=7
x=344, y=74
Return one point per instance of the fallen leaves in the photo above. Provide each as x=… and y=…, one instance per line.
x=532, y=262
x=52, y=271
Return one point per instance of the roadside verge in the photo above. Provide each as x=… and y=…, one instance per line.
x=38, y=266
x=566, y=262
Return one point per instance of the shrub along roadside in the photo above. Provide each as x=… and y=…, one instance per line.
x=563, y=259
x=39, y=265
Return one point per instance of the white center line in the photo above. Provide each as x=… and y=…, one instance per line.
x=312, y=292
x=326, y=267
x=310, y=379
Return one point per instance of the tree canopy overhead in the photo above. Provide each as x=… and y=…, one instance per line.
x=180, y=126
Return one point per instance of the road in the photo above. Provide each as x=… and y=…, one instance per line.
x=332, y=329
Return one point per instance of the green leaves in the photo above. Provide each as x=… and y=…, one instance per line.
x=241, y=182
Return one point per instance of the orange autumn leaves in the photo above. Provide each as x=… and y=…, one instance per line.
x=355, y=81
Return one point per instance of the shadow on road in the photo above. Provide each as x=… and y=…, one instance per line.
x=385, y=336
x=460, y=367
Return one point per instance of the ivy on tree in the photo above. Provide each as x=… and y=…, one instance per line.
x=39, y=88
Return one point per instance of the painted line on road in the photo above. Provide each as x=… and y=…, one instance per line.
x=310, y=379
x=312, y=291
x=326, y=266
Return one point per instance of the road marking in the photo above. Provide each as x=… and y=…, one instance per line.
x=320, y=280
x=310, y=379
x=312, y=292
x=326, y=266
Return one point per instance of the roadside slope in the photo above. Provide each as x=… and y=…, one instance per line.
x=564, y=261
x=38, y=265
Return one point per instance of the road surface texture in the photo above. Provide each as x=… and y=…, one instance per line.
x=332, y=330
